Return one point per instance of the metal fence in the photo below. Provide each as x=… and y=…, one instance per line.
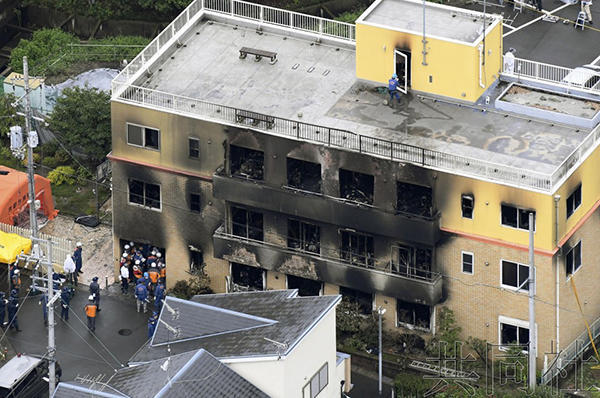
x=60, y=250
x=239, y=9
x=579, y=79
x=333, y=137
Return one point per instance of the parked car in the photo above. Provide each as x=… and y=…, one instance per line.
x=25, y=376
x=586, y=76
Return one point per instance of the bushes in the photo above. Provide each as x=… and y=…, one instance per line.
x=44, y=47
x=409, y=385
x=198, y=283
x=62, y=175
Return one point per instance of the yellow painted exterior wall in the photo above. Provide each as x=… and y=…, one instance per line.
x=453, y=67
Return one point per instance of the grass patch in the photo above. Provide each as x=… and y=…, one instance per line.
x=77, y=200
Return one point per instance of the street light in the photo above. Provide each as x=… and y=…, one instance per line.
x=380, y=312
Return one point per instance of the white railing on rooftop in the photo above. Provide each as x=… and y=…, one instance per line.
x=579, y=79
x=260, y=14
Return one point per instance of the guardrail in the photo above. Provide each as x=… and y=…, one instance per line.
x=333, y=137
x=60, y=249
x=568, y=356
x=239, y=9
x=584, y=80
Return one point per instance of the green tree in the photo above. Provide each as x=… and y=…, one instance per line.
x=8, y=118
x=42, y=50
x=81, y=120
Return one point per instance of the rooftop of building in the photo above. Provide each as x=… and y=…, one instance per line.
x=443, y=22
x=236, y=325
x=191, y=374
x=315, y=83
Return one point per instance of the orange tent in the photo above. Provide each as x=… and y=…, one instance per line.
x=14, y=194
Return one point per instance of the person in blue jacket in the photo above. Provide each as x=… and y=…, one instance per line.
x=141, y=295
x=65, y=301
x=152, y=324
x=13, y=307
x=77, y=258
x=159, y=295
x=393, y=88
x=3, y=303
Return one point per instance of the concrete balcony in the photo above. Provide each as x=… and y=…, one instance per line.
x=274, y=257
x=327, y=209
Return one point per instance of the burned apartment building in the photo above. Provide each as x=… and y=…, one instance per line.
x=258, y=145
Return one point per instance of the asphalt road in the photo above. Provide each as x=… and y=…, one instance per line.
x=78, y=351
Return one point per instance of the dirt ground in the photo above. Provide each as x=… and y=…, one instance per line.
x=97, y=247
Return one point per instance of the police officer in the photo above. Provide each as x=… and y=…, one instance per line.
x=393, y=88
x=13, y=306
x=16, y=281
x=90, y=312
x=159, y=295
x=65, y=300
x=152, y=324
x=77, y=258
x=44, y=303
x=141, y=295
x=145, y=280
x=95, y=292
x=3, y=303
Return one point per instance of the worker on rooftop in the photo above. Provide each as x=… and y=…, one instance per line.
x=393, y=88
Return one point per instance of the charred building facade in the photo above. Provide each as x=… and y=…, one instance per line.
x=258, y=145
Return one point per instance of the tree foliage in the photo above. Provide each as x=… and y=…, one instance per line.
x=81, y=119
x=44, y=47
x=105, y=9
x=198, y=283
x=62, y=175
x=8, y=118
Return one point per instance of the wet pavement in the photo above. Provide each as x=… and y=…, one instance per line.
x=120, y=332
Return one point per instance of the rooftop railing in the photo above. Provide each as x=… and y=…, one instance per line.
x=333, y=137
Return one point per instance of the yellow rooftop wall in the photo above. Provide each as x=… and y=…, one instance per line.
x=453, y=66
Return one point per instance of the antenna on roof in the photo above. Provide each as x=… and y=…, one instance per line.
x=174, y=312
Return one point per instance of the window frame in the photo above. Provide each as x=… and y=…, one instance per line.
x=571, y=250
x=462, y=262
x=192, y=194
x=509, y=287
x=143, y=205
x=414, y=326
x=462, y=211
x=519, y=210
x=519, y=323
x=302, y=230
x=247, y=226
x=143, y=127
x=197, y=140
x=317, y=375
x=369, y=262
x=572, y=195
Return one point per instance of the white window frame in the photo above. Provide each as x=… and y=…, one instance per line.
x=581, y=255
x=142, y=205
x=472, y=197
x=462, y=253
x=143, y=136
x=519, y=209
x=410, y=326
x=514, y=322
x=307, y=387
x=509, y=287
x=580, y=200
x=188, y=149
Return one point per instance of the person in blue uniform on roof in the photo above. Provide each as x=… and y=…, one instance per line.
x=393, y=88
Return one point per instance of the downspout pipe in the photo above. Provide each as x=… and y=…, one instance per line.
x=557, y=261
x=480, y=66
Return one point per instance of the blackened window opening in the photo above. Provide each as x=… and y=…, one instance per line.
x=244, y=275
x=414, y=261
x=363, y=299
x=356, y=186
x=414, y=199
x=304, y=175
x=467, y=203
x=304, y=236
x=246, y=223
x=247, y=163
x=306, y=287
x=357, y=249
x=413, y=314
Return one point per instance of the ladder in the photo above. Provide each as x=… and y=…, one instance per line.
x=442, y=371
x=581, y=18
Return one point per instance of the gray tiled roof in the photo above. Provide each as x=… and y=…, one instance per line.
x=294, y=315
x=200, y=321
x=194, y=374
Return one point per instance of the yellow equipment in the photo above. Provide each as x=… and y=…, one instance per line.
x=11, y=245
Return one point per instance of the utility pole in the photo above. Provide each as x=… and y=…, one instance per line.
x=30, y=141
x=380, y=312
x=51, y=342
x=532, y=335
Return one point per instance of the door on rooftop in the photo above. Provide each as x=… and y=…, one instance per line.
x=402, y=68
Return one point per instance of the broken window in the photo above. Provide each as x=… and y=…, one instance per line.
x=573, y=259
x=413, y=261
x=356, y=186
x=304, y=175
x=304, y=236
x=515, y=217
x=413, y=314
x=247, y=163
x=513, y=333
x=249, y=278
x=414, y=199
x=467, y=202
x=246, y=223
x=144, y=194
x=515, y=275
x=196, y=260
x=364, y=300
x=357, y=249
x=195, y=202
x=573, y=201
x=194, y=148
x=306, y=287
